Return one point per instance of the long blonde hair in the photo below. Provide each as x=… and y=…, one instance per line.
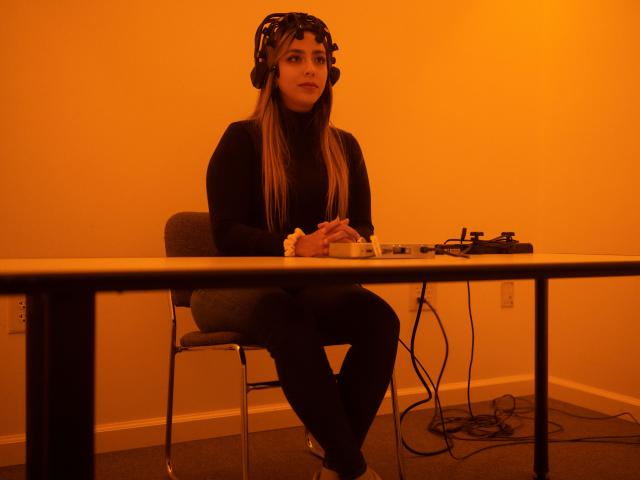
x=275, y=151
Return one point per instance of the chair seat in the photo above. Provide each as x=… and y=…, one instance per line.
x=206, y=339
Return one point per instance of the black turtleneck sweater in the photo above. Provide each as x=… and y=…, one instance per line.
x=234, y=187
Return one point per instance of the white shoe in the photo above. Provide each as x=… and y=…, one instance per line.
x=370, y=474
x=326, y=474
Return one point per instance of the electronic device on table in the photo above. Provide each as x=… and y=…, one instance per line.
x=387, y=250
x=504, y=243
x=460, y=247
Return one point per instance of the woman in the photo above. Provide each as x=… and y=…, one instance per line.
x=283, y=172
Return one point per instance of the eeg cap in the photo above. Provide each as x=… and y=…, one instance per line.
x=299, y=21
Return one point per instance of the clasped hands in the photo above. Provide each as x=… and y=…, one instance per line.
x=316, y=244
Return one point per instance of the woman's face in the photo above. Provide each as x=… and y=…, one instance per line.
x=303, y=73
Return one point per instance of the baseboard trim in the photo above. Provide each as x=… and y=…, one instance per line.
x=218, y=423
x=455, y=393
x=598, y=399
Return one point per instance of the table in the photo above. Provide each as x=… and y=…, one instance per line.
x=60, y=372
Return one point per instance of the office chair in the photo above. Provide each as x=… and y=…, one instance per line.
x=189, y=234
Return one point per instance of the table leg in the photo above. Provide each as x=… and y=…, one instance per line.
x=541, y=447
x=60, y=385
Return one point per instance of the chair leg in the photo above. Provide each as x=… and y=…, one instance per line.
x=169, y=420
x=397, y=427
x=244, y=414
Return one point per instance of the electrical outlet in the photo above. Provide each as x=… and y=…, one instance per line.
x=507, y=291
x=415, y=289
x=17, y=313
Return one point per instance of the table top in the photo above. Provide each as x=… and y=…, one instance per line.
x=147, y=273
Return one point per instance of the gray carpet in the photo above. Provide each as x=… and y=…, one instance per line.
x=281, y=454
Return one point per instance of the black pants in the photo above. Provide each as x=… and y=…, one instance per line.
x=294, y=325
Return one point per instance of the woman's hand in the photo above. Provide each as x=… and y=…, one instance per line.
x=316, y=244
x=343, y=225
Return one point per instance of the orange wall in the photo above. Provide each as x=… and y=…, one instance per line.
x=591, y=127
x=495, y=115
x=589, y=199
x=111, y=111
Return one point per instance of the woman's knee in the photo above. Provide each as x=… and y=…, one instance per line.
x=386, y=323
x=376, y=319
x=380, y=316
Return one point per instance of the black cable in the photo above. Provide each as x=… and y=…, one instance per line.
x=473, y=341
x=495, y=427
x=483, y=426
x=591, y=417
x=444, y=427
x=414, y=333
x=631, y=439
x=436, y=389
x=414, y=362
x=488, y=427
x=614, y=439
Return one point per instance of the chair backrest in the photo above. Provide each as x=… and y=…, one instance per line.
x=188, y=234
